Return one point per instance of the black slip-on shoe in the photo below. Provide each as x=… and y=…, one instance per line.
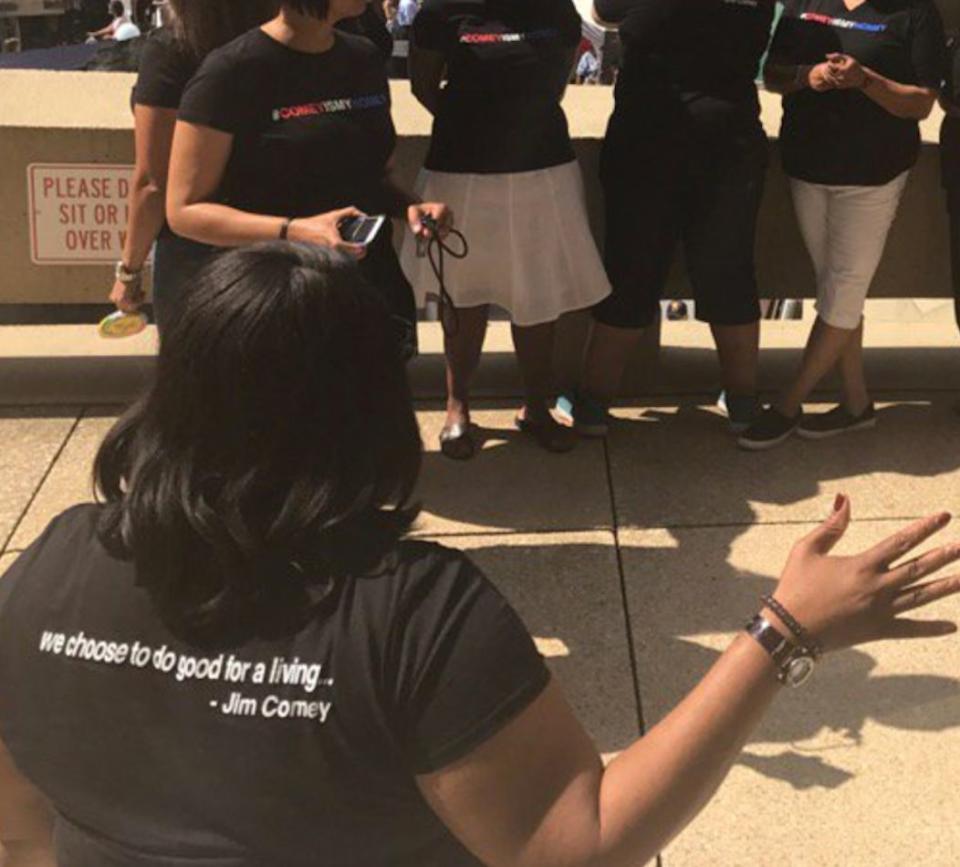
x=836, y=421
x=770, y=429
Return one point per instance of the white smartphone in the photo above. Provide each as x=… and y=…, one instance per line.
x=361, y=230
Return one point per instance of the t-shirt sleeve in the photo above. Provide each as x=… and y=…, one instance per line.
x=164, y=73
x=465, y=665
x=214, y=97
x=570, y=24
x=432, y=30
x=928, y=47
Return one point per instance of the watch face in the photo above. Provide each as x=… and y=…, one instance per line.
x=799, y=671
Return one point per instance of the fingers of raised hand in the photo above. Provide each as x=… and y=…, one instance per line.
x=919, y=567
x=904, y=541
x=911, y=598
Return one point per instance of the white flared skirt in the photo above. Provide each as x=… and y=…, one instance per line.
x=531, y=249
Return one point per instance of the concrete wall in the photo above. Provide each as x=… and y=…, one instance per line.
x=85, y=118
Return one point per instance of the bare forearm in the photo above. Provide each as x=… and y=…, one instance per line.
x=223, y=226
x=28, y=854
x=146, y=220
x=901, y=100
x=783, y=79
x=654, y=789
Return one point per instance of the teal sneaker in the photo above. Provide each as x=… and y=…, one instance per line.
x=741, y=410
x=587, y=416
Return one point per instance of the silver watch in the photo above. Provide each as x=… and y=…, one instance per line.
x=794, y=663
x=124, y=275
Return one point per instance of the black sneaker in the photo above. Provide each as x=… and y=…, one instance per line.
x=769, y=430
x=837, y=421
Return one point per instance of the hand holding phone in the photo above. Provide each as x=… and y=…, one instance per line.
x=361, y=230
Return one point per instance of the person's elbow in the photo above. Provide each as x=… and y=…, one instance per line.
x=425, y=93
x=179, y=216
x=924, y=107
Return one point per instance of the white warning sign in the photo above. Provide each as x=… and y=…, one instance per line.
x=78, y=212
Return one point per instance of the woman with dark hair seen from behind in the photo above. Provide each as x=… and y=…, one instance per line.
x=285, y=133
x=170, y=58
x=238, y=659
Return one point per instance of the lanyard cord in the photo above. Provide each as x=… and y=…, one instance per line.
x=437, y=249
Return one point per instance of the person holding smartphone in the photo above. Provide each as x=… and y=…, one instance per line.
x=284, y=133
x=857, y=78
x=501, y=155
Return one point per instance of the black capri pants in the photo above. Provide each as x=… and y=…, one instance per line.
x=676, y=190
x=950, y=160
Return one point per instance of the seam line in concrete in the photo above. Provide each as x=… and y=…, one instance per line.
x=43, y=480
x=469, y=534
x=634, y=669
x=796, y=522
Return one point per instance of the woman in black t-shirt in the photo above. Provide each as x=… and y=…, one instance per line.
x=286, y=132
x=170, y=57
x=237, y=659
x=684, y=161
x=501, y=156
x=857, y=78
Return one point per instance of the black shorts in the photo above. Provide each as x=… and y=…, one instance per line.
x=674, y=191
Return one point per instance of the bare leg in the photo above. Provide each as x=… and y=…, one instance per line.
x=825, y=346
x=463, y=350
x=534, y=347
x=855, y=396
x=738, y=348
x=608, y=350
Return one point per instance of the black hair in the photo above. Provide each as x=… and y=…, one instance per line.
x=203, y=25
x=316, y=8
x=275, y=453
x=117, y=8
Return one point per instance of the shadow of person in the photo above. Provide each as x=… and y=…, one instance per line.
x=686, y=602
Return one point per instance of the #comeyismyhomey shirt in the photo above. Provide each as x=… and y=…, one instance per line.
x=507, y=66
x=296, y=751
x=842, y=137
x=312, y=132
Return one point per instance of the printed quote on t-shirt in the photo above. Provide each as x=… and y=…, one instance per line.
x=227, y=669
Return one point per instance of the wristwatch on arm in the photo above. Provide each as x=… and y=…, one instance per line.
x=126, y=276
x=794, y=662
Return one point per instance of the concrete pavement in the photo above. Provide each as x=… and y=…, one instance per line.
x=634, y=561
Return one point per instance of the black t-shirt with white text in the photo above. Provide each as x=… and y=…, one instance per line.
x=290, y=751
x=507, y=66
x=689, y=68
x=842, y=137
x=311, y=132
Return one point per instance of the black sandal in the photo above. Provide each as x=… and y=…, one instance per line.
x=549, y=433
x=457, y=442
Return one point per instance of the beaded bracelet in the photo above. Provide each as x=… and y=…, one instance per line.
x=794, y=625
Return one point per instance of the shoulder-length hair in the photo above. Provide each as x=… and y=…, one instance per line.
x=203, y=25
x=275, y=453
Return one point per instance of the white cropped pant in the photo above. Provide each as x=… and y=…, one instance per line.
x=845, y=230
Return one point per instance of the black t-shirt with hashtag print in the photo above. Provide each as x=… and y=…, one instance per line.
x=293, y=749
x=507, y=66
x=312, y=132
x=843, y=137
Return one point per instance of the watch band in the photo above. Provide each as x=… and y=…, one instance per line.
x=285, y=228
x=794, y=664
x=804, y=638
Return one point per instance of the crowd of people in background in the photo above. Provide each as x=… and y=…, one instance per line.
x=683, y=162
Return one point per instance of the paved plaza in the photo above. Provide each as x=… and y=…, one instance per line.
x=633, y=562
